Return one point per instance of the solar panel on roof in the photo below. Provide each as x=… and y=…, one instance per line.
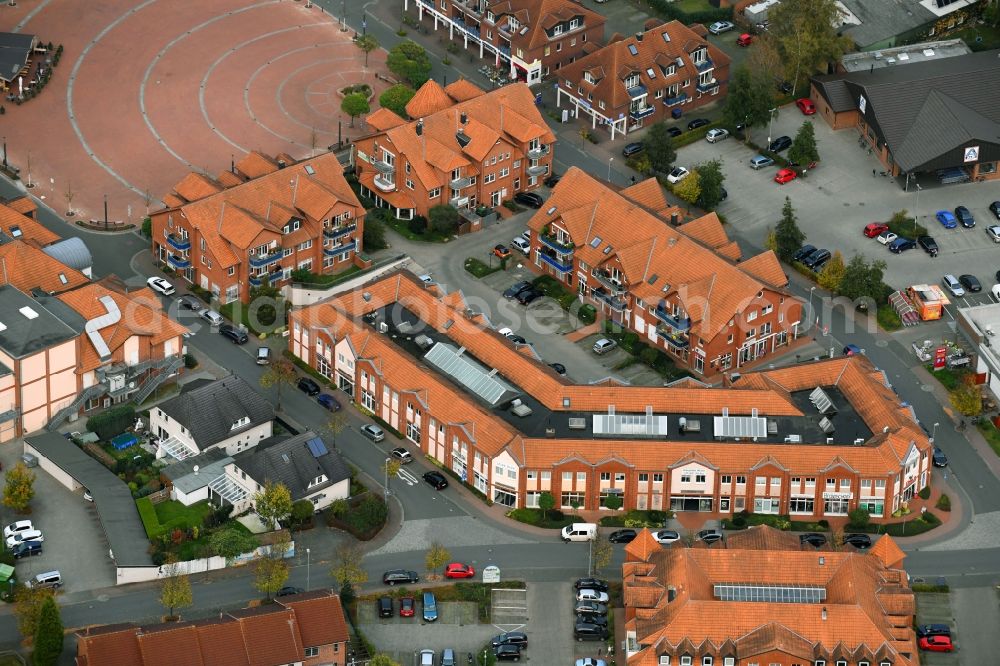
x=317, y=447
x=783, y=594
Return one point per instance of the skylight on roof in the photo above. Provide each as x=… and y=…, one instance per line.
x=15, y=231
x=607, y=250
x=62, y=278
x=650, y=73
x=551, y=210
x=310, y=170
x=632, y=49
x=782, y=594
x=597, y=241
x=666, y=37
x=29, y=313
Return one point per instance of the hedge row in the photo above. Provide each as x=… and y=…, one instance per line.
x=154, y=528
x=112, y=422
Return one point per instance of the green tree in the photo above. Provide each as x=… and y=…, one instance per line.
x=805, y=34
x=546, y=502
x=787, y=233
x=382, y=659
x=367, y=43
x=270, y=573
x=443, y=219
x=48, y=635
x=600, y=555
x=395, y=98
x=28, y=607
x=339, y=507
x=408, y=60
x=273, y=504
x=335, y=424
x=301, y=511
x=749, y=100
x=832, y=273
x=230, y=542
x=710, y=179
x=771, y=242
x=279, y=374
x=966, y=397
x=175, y=590
x=347, y=569
x=863, y=280
x=859, y=518
x=659, y=147
x=354, y=105
x=613, y=502
x=19, y=488
x=374, y=235
x=437, y=556
x=689, y=189
x=803, y=150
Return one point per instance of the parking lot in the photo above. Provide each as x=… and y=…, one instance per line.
x=834, y=202
x=74, y=540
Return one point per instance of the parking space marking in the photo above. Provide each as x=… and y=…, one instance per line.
x=406, y=477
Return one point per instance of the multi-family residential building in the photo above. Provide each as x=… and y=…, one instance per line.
x=226, y=414
x=814, y=440
x=254, y=225
x=665, y=71
x=18, y=225
x=678, y=287
x=763, y=597
x=307, y=629
x=464, y=153
x=528, y=39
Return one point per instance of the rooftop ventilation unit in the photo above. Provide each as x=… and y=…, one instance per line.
x=822, y=401
x=423, y=341
x=383, y=327
x=463, y=139
x=826, y=425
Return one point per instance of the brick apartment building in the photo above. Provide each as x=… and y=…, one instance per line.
x=762, y=597
x=679, y=287
x=305, y=629
x=663, y=72
x=255, y=224
x=814, y=440
x=527, y=38
x=468, y=147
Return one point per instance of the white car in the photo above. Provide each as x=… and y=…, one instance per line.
x=677, y=174
x=953, y=285
x=26, y=535
x=994, y=233
x=505, y=332
x=160, y=285
x=717, y=134
x=592, y=595
x=666, y=537
x=522, y=245
x=590, y=661
x=720, y=27
x=886, y=237
x=14, y=528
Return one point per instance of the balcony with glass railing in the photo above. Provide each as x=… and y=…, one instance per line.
x=179, y=243
x=704, y=65
x=640, y=113
x=615, y=288
x=538, y=169
x=637, y=91
x=459, y=202
x=337, y=232
x=672, y=101
x=266, y=278
x=460, y=182
x=178, y=262
x=384, y=166
x=561, y=264
x=258, y=261
x=615, y=302
x=538, y=151
x=705, y=87
x=552, y=241
x=678, y=340
x=340, y=249
x=384, y=183
x=677, y=323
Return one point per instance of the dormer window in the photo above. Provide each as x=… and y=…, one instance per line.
x=558, y=29
x=512, y=24
x=574, y=24
x=588, y=77
x=700, y=56
x=318, y=480
x=632, y=81
x=242, y=423
x=293, y=225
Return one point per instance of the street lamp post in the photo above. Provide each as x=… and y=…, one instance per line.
x=307, y=569
x=770, y=120
x=364, y=24
x=812, y=311
x=916, y=212
x=934, y=432
x=387, y=461
x=610, y=160
x=5, y=152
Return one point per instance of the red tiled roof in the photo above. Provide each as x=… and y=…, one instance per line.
x=428, y=100
x=382, y=119
x=540, y=15
x=463, y=90
x=27, y=267
x=28, y=229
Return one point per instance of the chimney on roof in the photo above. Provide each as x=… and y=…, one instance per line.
x=672, y=241
x=282, y=164
x=671, y=593
x=638, y=36
x=674, y=219
x=420, y=127
x=824, y=612
x=464, y=118
x=822, y=562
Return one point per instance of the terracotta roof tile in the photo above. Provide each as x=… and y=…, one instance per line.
x=652, y=196
x=463, y=90
x=170, y=645
x=320, y=618
x=766, y=268
x=537, y=15
x=109, y=645
x=27, y=267
x=382, y=119
x=641, y=547
x=221, y=643
x=428, y=100
x=271, y=638
x=887, y=552
x=256, y=164
x=22, y=204
x=28, y=229
x=196, y=186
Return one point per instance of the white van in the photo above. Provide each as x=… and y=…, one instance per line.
x=51, y=579
x=263, y=355
x=995, y=293
x=579, y=532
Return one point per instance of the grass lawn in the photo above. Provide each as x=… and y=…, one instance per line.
x=690, y=6
x=555, y=520
x=191, y=515
x=480, y=269
x=914, y=525
x=949, y=378
x=888, y=318
x=991, y=434
x=990, y=37
x=401, y=228
x=325, y=280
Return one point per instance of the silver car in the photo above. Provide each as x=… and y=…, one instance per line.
x=373, y=432
x=720, y=27
x=716, y=135
x=604, y=345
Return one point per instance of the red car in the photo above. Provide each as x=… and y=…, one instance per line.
x=501, y=251
x=806, y=106
x=936, y=643
x=745, y=39
x=873, y=229
x=459, y=570
x=406, y=607
x=784, y=176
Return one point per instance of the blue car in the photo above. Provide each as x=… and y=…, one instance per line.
x=328, y=401
x=947, y=219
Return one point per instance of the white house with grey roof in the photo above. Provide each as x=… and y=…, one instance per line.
x=227, y=414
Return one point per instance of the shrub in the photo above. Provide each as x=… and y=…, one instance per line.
x=417, y=225
x=112, y=422
x=190, y=361
x=859, y=518
x=648, y=356
x=943, y=503
x=925, y=492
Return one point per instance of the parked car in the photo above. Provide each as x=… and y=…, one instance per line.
x=592, y=595
x=716, y=134
x=924, y=630
x=599, y=620
x=49, y=579
x=785, y=175
x=886, y=237
x=673, y=131
x=385, y=607
x=901, y=245
x=558, y=367
x=995, y=209
x=806, y=106
x=698, y=122
x=946, y=219
x=553, y=180
x=501, y=250
x=14, y=528
x=666, y=537
x=402, y=455
x=436, y=480
x=851, y=350
x=27, y=549
x=459, y=570
x=590, y=608
x=994, y=232
x=604, y=345
x=24, y=537
x=591, y=584
x=516, y=288
x=971, y=283
x=189, y=302
x=622, y=536
x=677, y=174
x=631, y=149
x=936, y=643
x=160, y=285
x=939, y=458
x=448, y=657
x=590, y=661
x=263, y=356
x=588, y=631
x=212, y=317
x=952, y=284
x=814, y=539
x=373, y=432
x=816, y=260
x=407, y=606
x=529, y=199
x=965, y=217
x=803, y=252
x=234, y=334
x=720, y=27
x=746, y=39
x=780, y=144
x=528, y=296
x=928, y=244
x=507, y=653
x=397, y=576
x=761, y=161
x=523, y=246
x=518, y=340
x=308, y=386
x=710, y=536
x=518, y=638
x=427, y=658
x=505, y=332
x=857, y=540
x=430, y=607
x=579, y=532
x=328, y=401
x=873, y=229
